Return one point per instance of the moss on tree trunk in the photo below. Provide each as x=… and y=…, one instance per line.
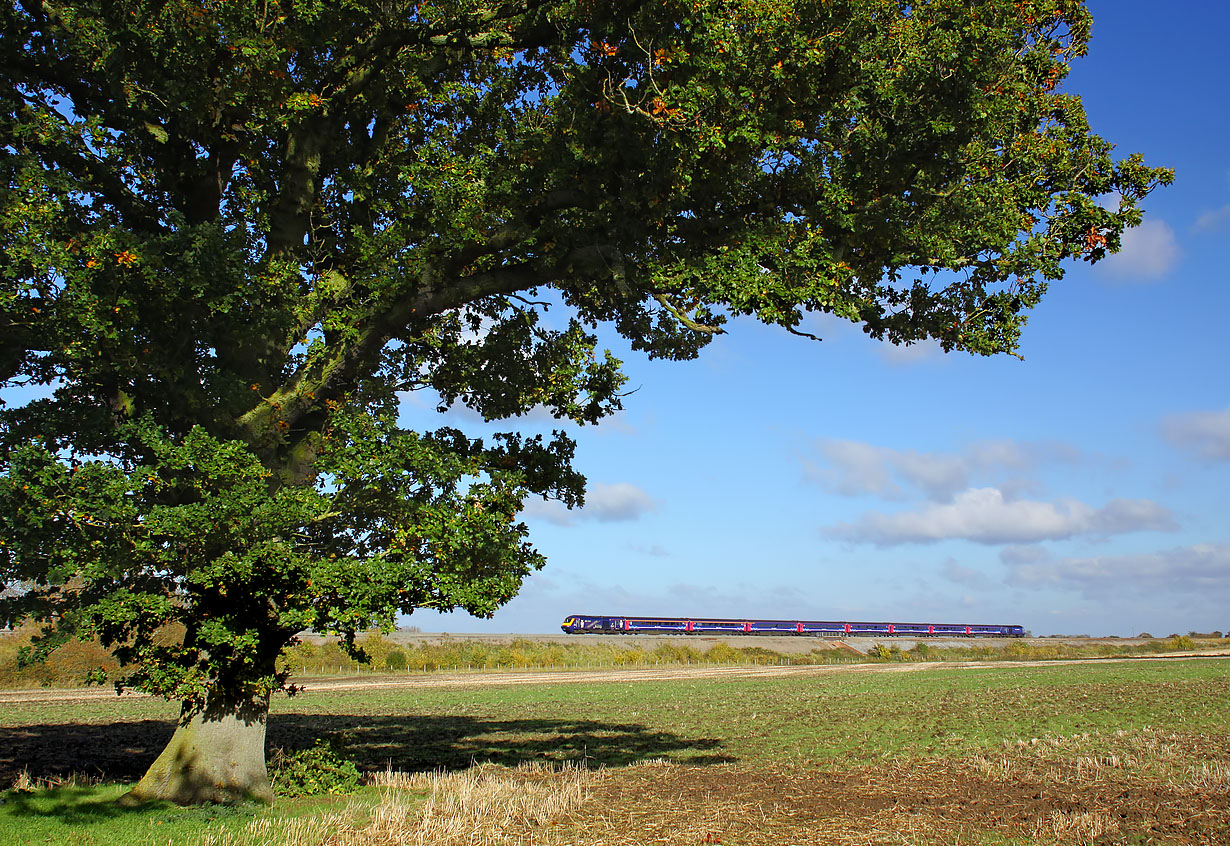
x=217, y=754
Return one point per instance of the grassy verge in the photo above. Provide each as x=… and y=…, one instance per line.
x=1084, y=754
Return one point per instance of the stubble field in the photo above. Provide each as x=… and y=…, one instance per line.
x=1131, y=752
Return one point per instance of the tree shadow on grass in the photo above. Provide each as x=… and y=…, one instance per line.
x=121, y=751
x=79, y=807
x=411, y=743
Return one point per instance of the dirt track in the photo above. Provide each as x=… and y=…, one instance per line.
x=670, y=673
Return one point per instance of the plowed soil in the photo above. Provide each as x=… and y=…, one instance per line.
x=935, y=802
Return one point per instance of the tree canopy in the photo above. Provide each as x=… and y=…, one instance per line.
x=236, y=232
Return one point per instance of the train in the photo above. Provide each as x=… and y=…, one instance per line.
x=602, y=624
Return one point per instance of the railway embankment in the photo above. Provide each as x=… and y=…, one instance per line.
x=411, y=652
x=781, y=644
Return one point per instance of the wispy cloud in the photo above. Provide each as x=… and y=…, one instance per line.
x=917, y=353
x=1215, y=219
x=1013, y=555
x=985, y=515
x=619, y=422
x=856, y=468
x=962, y=575
x=1206, y=433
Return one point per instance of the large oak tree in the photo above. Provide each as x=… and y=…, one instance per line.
x=235, y=232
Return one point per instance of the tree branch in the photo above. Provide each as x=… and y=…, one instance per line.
x=664, y=301
x=291, y=212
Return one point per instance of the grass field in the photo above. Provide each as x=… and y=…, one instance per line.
x=1133, y=752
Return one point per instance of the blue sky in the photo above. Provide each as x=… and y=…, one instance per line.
x=1082, y=490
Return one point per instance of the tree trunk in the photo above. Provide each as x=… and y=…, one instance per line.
x=216, y=755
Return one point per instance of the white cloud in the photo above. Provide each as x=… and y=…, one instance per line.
x=550, y=510
x=1206, y=433
x=615, y=503
x=1215, y=219
x=1200, y=569
x=985, y=515
x=1146, y=252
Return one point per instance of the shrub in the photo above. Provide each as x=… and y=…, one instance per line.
x=632, y=655
x=395, y=660
x=313, y=771
x=73, y=663
x=760, y=655
x=376, y=647
x=674, y=653
x=723, y=653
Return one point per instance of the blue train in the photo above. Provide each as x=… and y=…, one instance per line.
x=590, y=624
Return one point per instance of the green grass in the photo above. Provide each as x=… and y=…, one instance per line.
x=850, y=717
x=845, y=718
x=89, y=816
